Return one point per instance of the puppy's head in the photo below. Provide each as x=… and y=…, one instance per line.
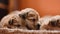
x=53, y=24
x=55, y=21
x=31, y=18
x=12, y=21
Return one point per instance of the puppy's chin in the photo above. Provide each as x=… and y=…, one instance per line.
x=32, y=26
x=37, y=27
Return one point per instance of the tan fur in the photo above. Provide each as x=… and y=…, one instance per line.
x=49, y=26
x=17, y=20
x=32, y=15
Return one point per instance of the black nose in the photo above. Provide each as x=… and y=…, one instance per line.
x=53, y=23
x=38, y=26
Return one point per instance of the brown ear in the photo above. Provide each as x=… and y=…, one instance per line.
x=23, y=16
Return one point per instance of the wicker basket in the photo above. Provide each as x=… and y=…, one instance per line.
x=20, y=31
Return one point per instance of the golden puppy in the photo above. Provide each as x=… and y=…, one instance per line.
x=12, y=21
x=52, y=24
x=31, y=18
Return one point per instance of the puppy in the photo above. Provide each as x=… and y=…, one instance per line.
x=52, y=24
x=12, y=21
x=31, y=18
x=25, y=19
x=44, y=21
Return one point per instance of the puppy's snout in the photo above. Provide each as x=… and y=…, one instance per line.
x=38, y=26
x=53, y=23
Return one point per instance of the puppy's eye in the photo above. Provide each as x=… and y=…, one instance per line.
x=32, y=20
x=31, y=15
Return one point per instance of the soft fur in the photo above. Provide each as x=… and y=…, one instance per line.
x=31, y=18
x=12, y=20
x=52, y=23
x=25, y=19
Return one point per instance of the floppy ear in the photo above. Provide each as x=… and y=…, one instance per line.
x=23, y=16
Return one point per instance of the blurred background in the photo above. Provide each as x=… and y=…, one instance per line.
x=44, y=7
x=3, y=8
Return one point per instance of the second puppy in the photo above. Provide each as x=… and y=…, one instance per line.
x=53, y=23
